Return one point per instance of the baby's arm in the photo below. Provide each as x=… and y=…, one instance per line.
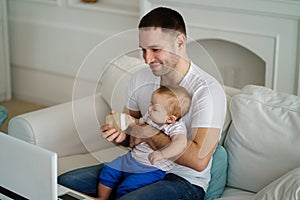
x=175, y=148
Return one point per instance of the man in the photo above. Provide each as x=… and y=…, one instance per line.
x=162, y=38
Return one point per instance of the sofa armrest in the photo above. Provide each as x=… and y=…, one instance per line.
x=54, y=128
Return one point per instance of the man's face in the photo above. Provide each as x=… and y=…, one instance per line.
x=159, y=49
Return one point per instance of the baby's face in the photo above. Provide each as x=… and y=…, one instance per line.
x=157, y=111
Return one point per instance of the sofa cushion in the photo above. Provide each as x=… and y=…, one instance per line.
x=218, y=174
x=68, y=163
x=236, y=194
x=286, y=187
x=263, y=139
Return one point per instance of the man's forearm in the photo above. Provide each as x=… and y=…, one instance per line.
x=200, y=149
x=190, y=157
x=158, y=141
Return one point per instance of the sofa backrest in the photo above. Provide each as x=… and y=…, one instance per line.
x=263, y=138
x=230, y=92
x=113, y=83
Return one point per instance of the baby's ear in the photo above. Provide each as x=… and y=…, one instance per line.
x=171, y=119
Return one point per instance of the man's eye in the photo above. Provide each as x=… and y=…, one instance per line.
x=155, y=50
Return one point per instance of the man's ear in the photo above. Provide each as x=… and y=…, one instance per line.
x=180, y=40
x=171, y=119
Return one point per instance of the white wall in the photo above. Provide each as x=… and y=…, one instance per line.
x=238, y=66
x=49, y=40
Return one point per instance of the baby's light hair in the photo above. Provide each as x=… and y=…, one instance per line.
x=179, y=100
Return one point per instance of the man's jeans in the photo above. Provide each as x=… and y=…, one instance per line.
x=86, y=180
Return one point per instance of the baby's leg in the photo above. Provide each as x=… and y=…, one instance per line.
x=108, y=179
x=103, y=192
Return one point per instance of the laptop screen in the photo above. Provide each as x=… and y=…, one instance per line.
x=27, y=171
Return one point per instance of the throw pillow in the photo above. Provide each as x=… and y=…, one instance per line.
x=285, y=187
x=263, y=139
x=218, y=174
x=3, y=115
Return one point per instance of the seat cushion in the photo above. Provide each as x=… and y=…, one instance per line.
x=286, y=187
x=263, y=139
x=236, y=194
x=68, y=163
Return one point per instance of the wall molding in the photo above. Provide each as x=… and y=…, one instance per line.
x=46, y=2
x=126, y=9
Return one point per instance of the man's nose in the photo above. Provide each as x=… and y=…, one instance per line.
x=148, y=57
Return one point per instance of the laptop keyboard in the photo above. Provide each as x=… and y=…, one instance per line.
x=70, y=196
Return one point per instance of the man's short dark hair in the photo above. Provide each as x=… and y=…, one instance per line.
x=165, y=18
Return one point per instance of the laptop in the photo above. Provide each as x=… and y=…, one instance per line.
x=30, y=172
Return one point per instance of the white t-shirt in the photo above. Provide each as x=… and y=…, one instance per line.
x=208, y=108
x=141, y=152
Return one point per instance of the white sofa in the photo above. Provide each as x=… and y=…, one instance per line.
x=261, y=136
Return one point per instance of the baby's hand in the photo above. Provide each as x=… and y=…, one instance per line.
x=155, y=156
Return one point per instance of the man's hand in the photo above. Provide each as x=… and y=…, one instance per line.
x=112, y=135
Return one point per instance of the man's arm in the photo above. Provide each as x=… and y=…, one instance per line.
x=146, y=133
x=172, y=151
x=198, y=151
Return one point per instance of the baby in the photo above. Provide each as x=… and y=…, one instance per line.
x=142, y=166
